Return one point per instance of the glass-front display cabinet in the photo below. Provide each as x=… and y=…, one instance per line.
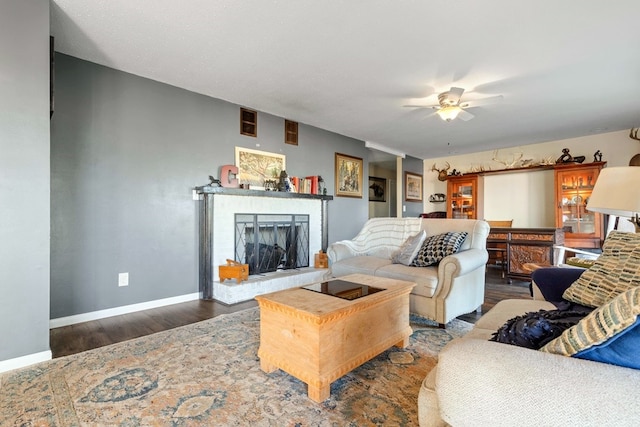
x=462, y=197
x=574, y=184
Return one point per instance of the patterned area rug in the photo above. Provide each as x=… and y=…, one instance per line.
x=209, y=374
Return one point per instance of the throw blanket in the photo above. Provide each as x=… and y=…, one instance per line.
x=379, y=233
x=535, y=329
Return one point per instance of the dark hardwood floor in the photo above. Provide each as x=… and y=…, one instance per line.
x=497, y=289
x=84, y=336
x=88, y=335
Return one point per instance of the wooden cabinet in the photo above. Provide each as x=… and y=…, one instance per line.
x=526, y=245
x=574, y=184
x=463, y=196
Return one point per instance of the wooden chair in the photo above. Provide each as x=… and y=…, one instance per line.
x=498, y=251
x=564, y=256
x=507, y=223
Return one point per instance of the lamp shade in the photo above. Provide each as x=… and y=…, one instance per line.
x=617, y=192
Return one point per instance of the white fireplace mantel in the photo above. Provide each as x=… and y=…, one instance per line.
x=217, y=238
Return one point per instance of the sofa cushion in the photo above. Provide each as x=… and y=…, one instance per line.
x=358, y=264
x=610, y=334
x=425, y=278
x=437, y=247
x=409, y=249
x=507, y=309
x=615, y=271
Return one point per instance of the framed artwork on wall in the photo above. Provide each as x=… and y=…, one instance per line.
x=412, y=187
x=348, y=176
x=377, y=189
x=254, y=167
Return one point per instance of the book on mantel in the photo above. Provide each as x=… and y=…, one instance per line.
x=306, y=185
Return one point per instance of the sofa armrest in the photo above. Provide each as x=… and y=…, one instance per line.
x=487, y=383
x=553, y=281
x=463, y=262
x=337, y=251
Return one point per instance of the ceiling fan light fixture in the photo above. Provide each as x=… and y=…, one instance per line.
x=449, y=113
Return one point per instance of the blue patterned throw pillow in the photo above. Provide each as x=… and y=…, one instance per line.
x=437, y=247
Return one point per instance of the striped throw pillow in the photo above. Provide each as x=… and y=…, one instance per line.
x=615, y=271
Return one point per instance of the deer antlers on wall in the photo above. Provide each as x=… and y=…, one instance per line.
x=515, y=162
x=442, y=173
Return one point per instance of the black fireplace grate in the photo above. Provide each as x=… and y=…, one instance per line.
x=271, y=242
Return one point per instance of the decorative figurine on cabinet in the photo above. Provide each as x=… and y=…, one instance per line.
x=568, y=158
x=597, y=156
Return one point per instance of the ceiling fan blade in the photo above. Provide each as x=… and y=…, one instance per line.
x=482, y=101
x=429, y=115
x=421, y=106
x=465, y=115
x=454, y=95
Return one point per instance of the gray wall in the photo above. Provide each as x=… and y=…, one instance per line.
x=126, y=153
x=414, y=165
x=24, y=178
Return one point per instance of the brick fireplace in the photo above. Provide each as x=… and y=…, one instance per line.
x=283, y=216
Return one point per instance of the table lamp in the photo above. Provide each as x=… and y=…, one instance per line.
x=617, y=192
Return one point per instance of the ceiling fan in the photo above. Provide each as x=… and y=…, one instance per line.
x=450, y=105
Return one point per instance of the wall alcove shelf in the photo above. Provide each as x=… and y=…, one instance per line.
x=438, y=198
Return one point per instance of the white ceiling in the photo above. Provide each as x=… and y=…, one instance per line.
x=565, y=68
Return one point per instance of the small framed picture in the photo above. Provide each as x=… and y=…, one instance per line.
x=412, y=187
x=348, y=176
x=377, y=189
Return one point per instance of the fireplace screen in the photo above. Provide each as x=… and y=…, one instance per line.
x=270, y=242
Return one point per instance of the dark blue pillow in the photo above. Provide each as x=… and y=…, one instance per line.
x=622, y=349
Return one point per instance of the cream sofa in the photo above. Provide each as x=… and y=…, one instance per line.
x=483, y=383
x=453, y=287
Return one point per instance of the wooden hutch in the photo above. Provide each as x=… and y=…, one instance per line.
x=463, y=196
x=574, y=184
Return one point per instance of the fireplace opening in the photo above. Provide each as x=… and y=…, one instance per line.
x=271, y=242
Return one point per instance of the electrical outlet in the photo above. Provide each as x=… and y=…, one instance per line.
x=123, y=279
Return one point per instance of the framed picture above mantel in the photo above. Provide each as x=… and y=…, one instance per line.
x=254, y=167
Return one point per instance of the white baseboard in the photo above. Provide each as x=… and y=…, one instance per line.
x=21, y=362
x=116, y=311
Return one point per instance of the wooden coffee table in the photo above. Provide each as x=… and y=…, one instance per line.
x=318, y=338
